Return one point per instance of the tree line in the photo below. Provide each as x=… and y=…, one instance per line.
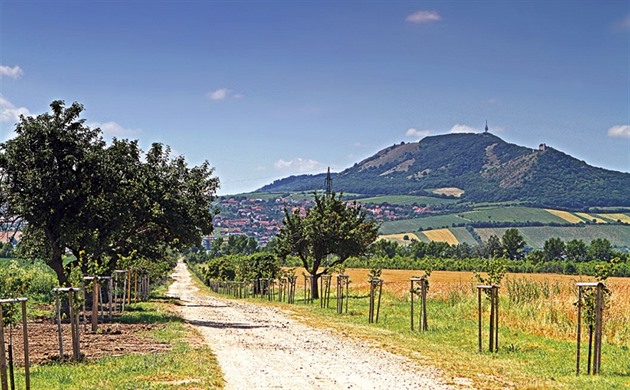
x=557, y=256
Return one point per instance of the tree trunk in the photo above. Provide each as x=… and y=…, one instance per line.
x=314, y=286
x=56, y=263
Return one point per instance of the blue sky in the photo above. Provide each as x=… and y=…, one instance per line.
x=266, y=89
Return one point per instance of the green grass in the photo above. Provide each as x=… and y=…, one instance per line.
x=406, y=200
x=414, y=224
x=183, y=367
x=525, y=360
x=512, y=214
x=463, y=235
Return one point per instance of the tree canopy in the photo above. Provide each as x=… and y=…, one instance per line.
x=325, y=235
x=102, y=202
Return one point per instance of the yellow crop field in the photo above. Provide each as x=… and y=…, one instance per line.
x=565, y=215
x=443, y=235
x=616, y=217
x=591, y=217
x=400, y=238
x=557, y=301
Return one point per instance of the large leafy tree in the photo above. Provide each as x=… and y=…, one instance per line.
x=577, y=251
x=104, y=203
x=601, y=249
x=326, y=234
x=49, y=171
x=513, y=243
x=554, y=249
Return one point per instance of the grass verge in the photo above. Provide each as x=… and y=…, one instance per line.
x=527, y=359
x=183, y=367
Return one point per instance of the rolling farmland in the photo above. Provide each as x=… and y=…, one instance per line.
x=591, y=217
x=618, y=235
x=512, y=214
x=567, y=216
x=616, y=217
x=406, y=200
x=443, y=235
x=400, y=238
x=415, y=224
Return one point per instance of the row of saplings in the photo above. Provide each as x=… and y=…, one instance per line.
x=272, y=283
x=95, y=301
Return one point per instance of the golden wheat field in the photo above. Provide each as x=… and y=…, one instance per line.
x=591, y=217
x=543, y=304
x=565, y=215
x=443, y=235
x=617, y=217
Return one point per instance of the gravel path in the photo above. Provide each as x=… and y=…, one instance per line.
x=262, y=348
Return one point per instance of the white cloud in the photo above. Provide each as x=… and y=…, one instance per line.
x=420, y=17
x=415, y=133
x=8, y=111
x=458, y=128
x=15, y=72
x=619, y=131
x=219, y=94
x=299, y=165
x=113, y=129
x=224, y=93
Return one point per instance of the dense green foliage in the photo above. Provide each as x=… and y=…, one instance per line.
x=325, y=235
x=19, y=279
x=487, y=168
x=104, y=203
x=234, y=267
x=574, y=257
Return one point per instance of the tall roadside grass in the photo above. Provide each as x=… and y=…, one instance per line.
x=536, y=329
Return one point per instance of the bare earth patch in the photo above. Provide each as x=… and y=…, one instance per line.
x=111, y=339
x=449, y=191
x=263, y=348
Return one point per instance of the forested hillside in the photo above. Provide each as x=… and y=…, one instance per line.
x=482, y=167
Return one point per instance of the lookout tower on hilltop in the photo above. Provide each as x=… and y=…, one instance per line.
x=486, y=129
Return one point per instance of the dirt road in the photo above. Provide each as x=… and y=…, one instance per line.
x=262, y=348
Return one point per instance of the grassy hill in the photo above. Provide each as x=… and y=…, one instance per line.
x=475, y=168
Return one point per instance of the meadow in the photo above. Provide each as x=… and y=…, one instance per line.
x=536, y=328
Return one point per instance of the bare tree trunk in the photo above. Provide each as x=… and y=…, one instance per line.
x=314, y=286
x=56, y=263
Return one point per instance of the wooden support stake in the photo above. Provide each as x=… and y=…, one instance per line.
x=380, y=293
x=423, y=300
x=3, y=362
x=579, y=331
x=594, y=329
x=95, y=305
x=411, y=292
x=493, y=293
x=58, y=307
x=27, y=374
x=479, y=318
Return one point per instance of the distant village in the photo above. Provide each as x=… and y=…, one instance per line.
x=262, y=218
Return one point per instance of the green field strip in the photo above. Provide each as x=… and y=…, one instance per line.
x=535, y=236
x=512, y=214
x=414, y=224
x=463, y=235
x=406, y=200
